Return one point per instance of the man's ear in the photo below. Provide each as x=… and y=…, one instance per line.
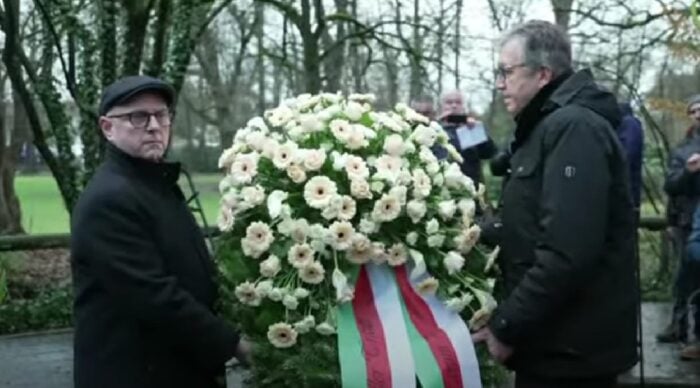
x=544, y=76
x=106, y=127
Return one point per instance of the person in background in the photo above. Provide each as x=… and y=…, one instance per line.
x=683, y=188
x=143, y=279
x=425, y=106
x=632, y=138
x=466, y=134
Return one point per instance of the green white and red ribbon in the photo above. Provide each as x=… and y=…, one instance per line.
x=391, y=337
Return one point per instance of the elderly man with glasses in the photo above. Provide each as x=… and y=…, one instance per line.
x=143, y=278
x=567, y=240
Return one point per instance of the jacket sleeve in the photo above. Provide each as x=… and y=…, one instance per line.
x=678, y=178
x=113, y=236
x=573, y=214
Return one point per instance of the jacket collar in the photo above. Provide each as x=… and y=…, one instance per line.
x=164, y=172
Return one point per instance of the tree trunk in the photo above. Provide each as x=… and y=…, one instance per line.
x=415, y=52
x=137, y=16
x=458, y=42
x=108, y=41
x=260, y=63
x=155, y=67
x=562, y=12
x=311, y=55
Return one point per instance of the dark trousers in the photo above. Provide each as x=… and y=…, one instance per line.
x=525, y=381
x=687, y=281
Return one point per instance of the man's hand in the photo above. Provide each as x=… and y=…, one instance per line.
x=499, y=351
x=244, y=352
x=693, y=163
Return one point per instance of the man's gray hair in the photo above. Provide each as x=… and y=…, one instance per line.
x=544, y=45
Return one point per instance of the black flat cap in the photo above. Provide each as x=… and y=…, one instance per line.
x=123, y=89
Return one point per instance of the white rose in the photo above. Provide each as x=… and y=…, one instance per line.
x=432, y=226
x=339, y=160
x=436, y=240
x=399, y=192
x=252, y=196
x=359, y=188
x=227, y=158
x=314, y=159
x=421, y=184
x=377, y=186
x=438, y=179
x=301, y=293
x=368, y=226
x=416, y=209
x=226, y=184
x=256, y=140
x=290, y=302
x=432, y=168
x=325, y=329
x=310, y=123
x=427, y=156
x=412, y=238
x=274, y=203
x=394, y=145
x=447, y=209
x=425, y=136
x=270, y=266
x=257, y=123
x=305, y=325
x=269, y=147
x=296, y=173
x=453, y=262
x=276, y=294
x=264, y=287
x=455, y=304
x=357, y=139
x=454, y=178
x=354, y=111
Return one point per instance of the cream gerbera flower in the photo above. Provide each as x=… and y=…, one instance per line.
x=318, y=191
x=388, y=167
x=341, y=129
x=428, y=286
x=361, y=250
x=225, y=220
x=300, y=255
x=284, y=155
x=244, y=168
x=347, y=208
x=421, y=184
x=252, y=196
x=356, y=168
x=246, y=294
x=296, y=173
x=258, y=239
x=397, y=255
x=314, y=159
x=312, y=273
x=340, y=236
x=386, y=209
x=282, y=335
x=359, y=188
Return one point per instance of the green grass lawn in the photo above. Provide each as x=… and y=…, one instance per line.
x=43, y=210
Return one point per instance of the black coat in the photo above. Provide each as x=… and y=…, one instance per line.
x=682, y=186
x=143, y=283
x=568, y=240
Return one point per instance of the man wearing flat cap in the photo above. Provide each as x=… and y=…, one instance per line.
x=142, y=274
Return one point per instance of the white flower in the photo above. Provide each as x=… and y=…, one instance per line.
x=368, y=226
x=341, y=129
x=314, y=159
x=282, y=335
x=300, y=255
x=356, y=168
x=341, y=233
x=399, y=192
x=290, y=302
x=438, y=180
x=361, y=250
x=312, y=273
x=331, y=211
x=425, y=136
x=339, y=160
x=491, y=259
x=413, y=116
x=263, y=288
x=436, y=240
x=456, y=304
x=317, y=232
x=433, y=169
x=270, y=266
x=359, y=188
x=454, y=178
x=299, y=230
x=354, y=111
x=244, y=168
x=379, y=254
x=318, y=191
x=276, y=294
x=279, y=116
x=284, y=155
x=255, y=140
x=252, y=196
x=412, y=238
x=226, y=184
x=419, y=266
x=343, y=291
x=227, y=157
x=466, y=240
x=246, y=294
x=388, y=167
x=274, y=203
x=471, y=189
x=301, y=293
x=467, y=207
x=357, y=139
x=452, y=151
x=447, y=209
x=225, y=220
x=257, y=123
x=397, y=255
x=347, y=209
x=269, y=147
x=432, y=226
x=305, y=324
x=453, y=262
x=427, y=156
x=416, y=210
x=310, y=123
x=329, y=113
x=258, y=239
x=296, y=173
x=325, y=328
x=428, y=286
x=421, y=184
x=386, y=209
x=394, y=145
x=362, y=98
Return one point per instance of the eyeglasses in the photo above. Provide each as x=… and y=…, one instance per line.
x=502, y=72
x=140, y=118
